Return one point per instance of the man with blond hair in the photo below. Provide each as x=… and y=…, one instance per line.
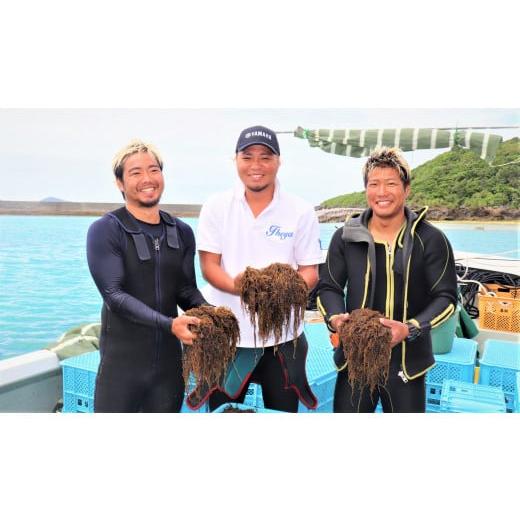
x=141, y=259
x=390, y=259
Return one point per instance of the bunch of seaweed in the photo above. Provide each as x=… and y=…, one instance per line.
x=272, y=296
x=367, y=347
x=213, y=348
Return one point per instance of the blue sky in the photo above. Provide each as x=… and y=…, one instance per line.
x=66, y=153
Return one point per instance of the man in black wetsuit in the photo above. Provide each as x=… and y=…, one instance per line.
x=141, y=259
x=390, y=259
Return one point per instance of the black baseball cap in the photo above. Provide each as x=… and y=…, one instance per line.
x=258, y=135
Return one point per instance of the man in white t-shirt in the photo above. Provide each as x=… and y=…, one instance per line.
x=255, y=225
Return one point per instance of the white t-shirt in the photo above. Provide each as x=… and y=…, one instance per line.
x=286, y=231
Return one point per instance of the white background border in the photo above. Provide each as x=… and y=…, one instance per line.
x=268, y=54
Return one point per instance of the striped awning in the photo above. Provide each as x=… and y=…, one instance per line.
x=361, y=143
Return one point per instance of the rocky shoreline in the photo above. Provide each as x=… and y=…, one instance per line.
x=439, y=213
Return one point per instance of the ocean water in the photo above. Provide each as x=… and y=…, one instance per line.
x=46, y=288
x=474, y=237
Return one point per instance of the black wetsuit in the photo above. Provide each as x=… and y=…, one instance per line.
x=412, y=280
x=142, y=272
x=276, y=375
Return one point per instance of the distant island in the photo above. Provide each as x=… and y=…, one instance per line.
x=52, y=206
x=456, y=185
x=52, y=199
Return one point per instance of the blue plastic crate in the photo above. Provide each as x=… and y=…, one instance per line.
x=239, y=406
x=321, y=374
x=463, y=397
x=499, y=366
x=318, y=336
x=254, y=396
x=433, y=397
x=79, y=382
x=517, y=393
x=458, y=365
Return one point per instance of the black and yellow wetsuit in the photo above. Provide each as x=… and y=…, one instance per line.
x=412, y=280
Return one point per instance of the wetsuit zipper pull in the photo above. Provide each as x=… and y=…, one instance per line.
x=156, y=244
x=402, y=376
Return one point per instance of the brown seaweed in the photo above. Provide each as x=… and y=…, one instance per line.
x=233, y=409
x=270, y=296
x=367, y=347
x=213, y=348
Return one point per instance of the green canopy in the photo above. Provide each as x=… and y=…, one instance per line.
x=361, y=143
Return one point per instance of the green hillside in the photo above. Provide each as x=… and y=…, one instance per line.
x=458, y=178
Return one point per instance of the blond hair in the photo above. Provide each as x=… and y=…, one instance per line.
x=386, y=157
x=132, y=148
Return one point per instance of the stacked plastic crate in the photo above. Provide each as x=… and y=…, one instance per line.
x=321, y=374
x=79, y=382
x=320, y=367
x=318, y=336
x=464, y=397
x=254, y=396
x=499, y=367
x=517, y=393
x=457, y=365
